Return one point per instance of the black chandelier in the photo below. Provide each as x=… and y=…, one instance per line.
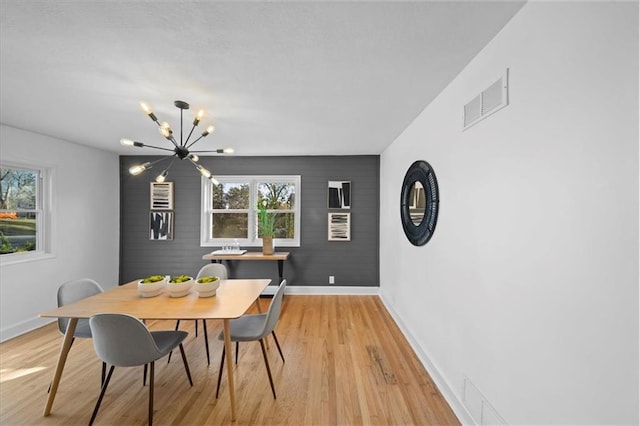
x=180, y=150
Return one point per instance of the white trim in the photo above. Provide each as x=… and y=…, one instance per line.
x=251, y=239
x=441, y=383
x=324, y=290
x=24, y=327
x=45, y=214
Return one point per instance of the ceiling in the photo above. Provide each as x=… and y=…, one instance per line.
x=275, y=78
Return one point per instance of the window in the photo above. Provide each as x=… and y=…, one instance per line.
x=22, y=214
x=230, y=209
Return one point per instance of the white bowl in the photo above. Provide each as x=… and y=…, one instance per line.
x=207, y=289
x=151, y=289
x=179, y=289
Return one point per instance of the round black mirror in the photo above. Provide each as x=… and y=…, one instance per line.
x=419, y=201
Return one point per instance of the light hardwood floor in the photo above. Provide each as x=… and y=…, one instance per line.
x=346, y=364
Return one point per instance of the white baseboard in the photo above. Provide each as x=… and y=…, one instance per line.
x=325, y=290
x=441, y=383
x=23, y=327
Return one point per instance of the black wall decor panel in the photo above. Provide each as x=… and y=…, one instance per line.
x=352, y=263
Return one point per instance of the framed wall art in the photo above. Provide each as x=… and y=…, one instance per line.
x=339, y=225
x=339, y=194
x=161, y=196
x=161, y=225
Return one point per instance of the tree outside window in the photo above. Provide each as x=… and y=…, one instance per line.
x=231, y=209
x=280, y=199
x=19, y=210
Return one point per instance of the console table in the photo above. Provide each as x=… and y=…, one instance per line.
x=280, y=256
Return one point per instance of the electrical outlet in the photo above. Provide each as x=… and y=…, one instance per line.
x=332, y=279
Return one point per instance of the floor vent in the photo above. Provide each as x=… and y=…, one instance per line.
x=490, y=100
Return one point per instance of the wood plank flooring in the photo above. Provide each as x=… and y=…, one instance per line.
x=346, y=364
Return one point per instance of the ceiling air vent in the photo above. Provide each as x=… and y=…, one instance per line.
x=490, y=100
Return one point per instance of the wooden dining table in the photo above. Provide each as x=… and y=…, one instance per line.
x=233, y=298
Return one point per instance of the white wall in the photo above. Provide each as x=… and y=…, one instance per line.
x=529, y=285
x=85, y=231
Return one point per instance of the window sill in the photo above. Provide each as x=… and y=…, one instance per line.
x=248, y=245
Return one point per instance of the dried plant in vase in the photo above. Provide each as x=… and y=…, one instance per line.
x=266, y=226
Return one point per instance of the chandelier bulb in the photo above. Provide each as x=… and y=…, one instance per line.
x=129, y=142
x=213, y=180
x=206, y=173
x=148, y=111
x=165, y=130
x=229, y=151
x=162, y=176
x=208, y=130
x=194, y=157
x=145, y=108
x=198, y=117
x=139, y=168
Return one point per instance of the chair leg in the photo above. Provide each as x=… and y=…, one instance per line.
x=144, y=375
x=197, y=327
x=186, y=364
x=266, y=363
x=220, y=372
x=177, y=325
x=104, y=373
x=206, y=340
x=237, y=350
x=151, y=394
x=104, y=389
x=278, y=345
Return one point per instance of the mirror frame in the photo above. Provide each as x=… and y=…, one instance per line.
x=420, y=171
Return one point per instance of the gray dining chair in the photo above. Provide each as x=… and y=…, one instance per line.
x=124, y=341
x=211, y=269
x=72, y=291
x=252, y=327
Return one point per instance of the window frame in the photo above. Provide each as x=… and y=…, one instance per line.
x=252, y=239
x=43, y=211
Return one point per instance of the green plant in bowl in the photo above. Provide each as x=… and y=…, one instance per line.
x=179, y=279
x=152, y=279
x=208, y=279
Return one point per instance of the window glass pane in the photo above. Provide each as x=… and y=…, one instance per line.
x=230, y=196
x=284, y=225
x=17, y=232
x=18, y=191
x=232, y=209
x=18, y=188
x=229, y=225
x=279, y=195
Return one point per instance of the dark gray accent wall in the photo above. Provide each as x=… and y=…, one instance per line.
x=353, y=263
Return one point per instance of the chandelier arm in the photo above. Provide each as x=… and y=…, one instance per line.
x=162, y=159
x=217, y=151
x=191, y=144
x=156, y=147
x=173, y=141
x=190, y=133
x=171, y=163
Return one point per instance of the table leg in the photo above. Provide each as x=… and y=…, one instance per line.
x=280, y=270
x=62, y=359
x=229, y=361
